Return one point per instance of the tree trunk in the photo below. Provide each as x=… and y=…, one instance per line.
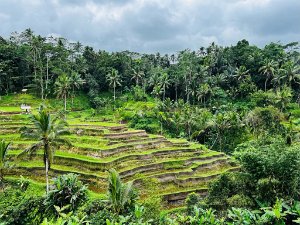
x=65, y=102
x=114, y=93
x=47, y=178
x=266, y=83
x=47, y=165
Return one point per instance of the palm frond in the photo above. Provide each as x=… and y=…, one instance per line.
x=32, y=149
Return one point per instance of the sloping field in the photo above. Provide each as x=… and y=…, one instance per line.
x=174, y=167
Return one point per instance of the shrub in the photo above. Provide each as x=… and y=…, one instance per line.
x=18, y=207
x=191, y=201
x=240, y=201
x=267, y=189
x=67, y=190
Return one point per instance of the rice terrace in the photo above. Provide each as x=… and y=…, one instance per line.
x=135, y=112
x=178, y=166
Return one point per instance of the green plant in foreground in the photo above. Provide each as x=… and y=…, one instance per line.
x=119, y=194
x=68, y=192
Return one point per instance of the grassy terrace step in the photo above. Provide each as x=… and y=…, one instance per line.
x=210, y=175
x=111, y=127
x=12, y=127
x=37, y=173
x=13, y=123
x=60, y=169
x=178, y=198
x=105, y=151
x=126, y=135
x=142, y=139
x=168, y=165
x=94, y=164
x=163, y=151
x=170, y=175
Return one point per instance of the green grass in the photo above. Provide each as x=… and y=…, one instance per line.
x=85, y=158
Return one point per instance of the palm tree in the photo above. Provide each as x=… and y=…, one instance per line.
x=241, y=73
x=290, y=73
x=114, y=80
x=63, y=86
x=119, y=194
x=48, y=131
x=157, y=90
x=203, y=91
x=268, y=69
x=75, y=82
x=4, y=146
x=176, y=80
x=164, y=82
x=137, y=75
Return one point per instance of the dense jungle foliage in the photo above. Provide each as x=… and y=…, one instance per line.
x=242, y=100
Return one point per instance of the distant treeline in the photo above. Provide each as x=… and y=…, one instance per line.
x=34, y=62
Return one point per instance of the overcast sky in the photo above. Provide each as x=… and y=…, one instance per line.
x=155, y=25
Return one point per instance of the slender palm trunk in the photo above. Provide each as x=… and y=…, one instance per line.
x=266, y=82
x=47, y=165
x=65, y=102
x=114, y=93
x=47, y=177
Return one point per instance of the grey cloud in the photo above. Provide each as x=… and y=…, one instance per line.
x=153, y=25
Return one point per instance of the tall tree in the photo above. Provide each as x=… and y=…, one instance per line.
x=290, y=73
x=241, y=73
x=75, y=82
x=137, y=75
x=48, y=130
x=114, y=80
x=268, y=69
x=164, y=83
x=63, y=87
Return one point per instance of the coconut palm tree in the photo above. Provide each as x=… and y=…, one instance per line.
x=203, y=91
x=268, y=69
x=63, y=87
x=47, y=131
x=119, y=194
x=75, y=82
x=164, y=82
x=4, y=146
x=114, y=80
x=241, y=73
x=290, y=73
x=137, y=75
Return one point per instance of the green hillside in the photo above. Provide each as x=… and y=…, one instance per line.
x=177, y=165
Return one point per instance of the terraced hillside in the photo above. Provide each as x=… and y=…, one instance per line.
x=168, y=167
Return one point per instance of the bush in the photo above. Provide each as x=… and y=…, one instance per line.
x=240, y=201
x=97, y=212
x=152, y=209
x=191, y=201
x=227, y=186
x=267, y=190
x=18, y=207
x=67, y=190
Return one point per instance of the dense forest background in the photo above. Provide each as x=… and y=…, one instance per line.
x=198, y=77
